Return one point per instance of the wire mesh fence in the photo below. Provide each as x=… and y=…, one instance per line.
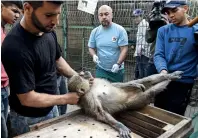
x=79, y=25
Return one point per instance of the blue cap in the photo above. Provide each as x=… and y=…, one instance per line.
x=137, y=12
x=171, y=4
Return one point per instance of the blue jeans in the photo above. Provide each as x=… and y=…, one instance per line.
x=62, y=89
x=20, y=124
x=141, y=65
x=175, y=97
x=4, y=112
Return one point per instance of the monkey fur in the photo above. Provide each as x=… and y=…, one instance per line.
x=103, y=98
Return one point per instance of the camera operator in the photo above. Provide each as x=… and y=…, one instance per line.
x=156, y=20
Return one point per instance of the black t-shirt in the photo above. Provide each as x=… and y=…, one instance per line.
x=30, y=62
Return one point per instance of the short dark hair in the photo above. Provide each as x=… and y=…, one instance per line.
x=9, y=3
x=37, y=4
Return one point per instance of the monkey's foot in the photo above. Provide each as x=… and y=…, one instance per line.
x=123, y=131
x=175, y=75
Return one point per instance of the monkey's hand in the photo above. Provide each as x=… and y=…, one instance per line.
x=123, y=130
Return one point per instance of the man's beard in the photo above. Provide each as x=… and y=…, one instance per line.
x=105, y=23
x=38, y=24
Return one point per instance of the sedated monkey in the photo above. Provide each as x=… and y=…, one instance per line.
x=103, y=98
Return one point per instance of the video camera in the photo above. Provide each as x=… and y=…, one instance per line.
x=156, y=18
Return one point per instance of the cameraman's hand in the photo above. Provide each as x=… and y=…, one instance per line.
x=115, y=68
x=95, y=59
x=71, y=98
x=163, y=16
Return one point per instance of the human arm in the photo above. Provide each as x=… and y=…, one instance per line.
x=123, y=44
x=159, y=56
x=38, y=99
x=64, y=68
x=150, y=35
x=28, y=96
x=94, y=56
x=115, y=68
x=92, y=46
x=92, y=51
x=35, y=99
x=123, y=54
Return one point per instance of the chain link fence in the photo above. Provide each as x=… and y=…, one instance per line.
x=77, y=26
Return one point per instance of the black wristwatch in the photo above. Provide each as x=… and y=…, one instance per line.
x=119, y=64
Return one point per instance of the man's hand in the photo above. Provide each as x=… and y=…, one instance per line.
x=164, y=72
x=95, y=59
x=115, y=68
x=71, y=98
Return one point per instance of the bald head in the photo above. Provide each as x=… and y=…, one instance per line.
x=106, y=8
x=105, y=15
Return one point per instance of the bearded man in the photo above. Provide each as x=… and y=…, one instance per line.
x=110, y=40
x=31, y=55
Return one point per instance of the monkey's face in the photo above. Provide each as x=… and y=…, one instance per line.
x=78, y=84
x=83, y=87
